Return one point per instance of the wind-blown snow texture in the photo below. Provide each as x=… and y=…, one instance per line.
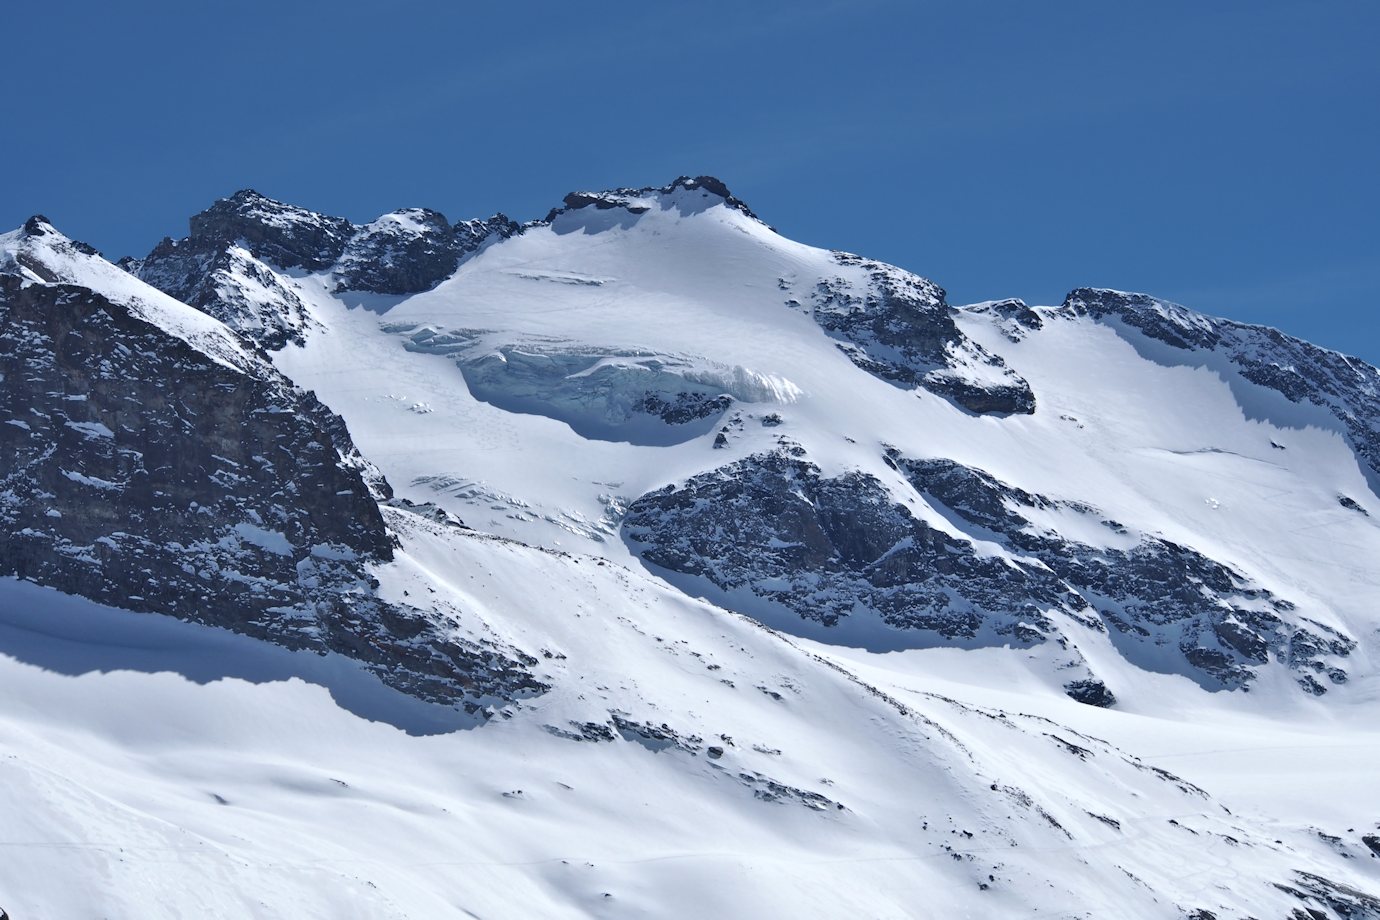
x=783, y=587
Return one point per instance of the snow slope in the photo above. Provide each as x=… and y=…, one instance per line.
x=701, y=748
x=190, y=771
x=1239, y=484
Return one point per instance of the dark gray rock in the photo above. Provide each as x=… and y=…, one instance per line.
x=1349, y=503
x=1155, y=594
x=412, y=250
x=829, y=548
x=1013, y=317
x=1091, y=692
x=584, y=731
x=685, y=407
x=1315, y=892
x=400, y=253
x=655, y=737
x=229, y=265
x=139, y=472
x=280, y=234
x=766, y=789
x=899, y=328
x=231, y=284
x=470, y=235
x=681, y=193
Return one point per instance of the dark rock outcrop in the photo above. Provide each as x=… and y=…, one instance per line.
x=1091, y=692
x=281, y=234
x=230, y=283
x=681, y=193
x=830, y=548
x=1319, y=894
x=1014, y=318
x=228, y=266
x=401, y=252
x=232, y=263
x=470, y=235
x=412, y=250
x=899, y=327
x=827, y=549
x=143, y=473
x=1156, y=595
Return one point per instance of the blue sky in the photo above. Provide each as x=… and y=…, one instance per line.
x=1221, y=154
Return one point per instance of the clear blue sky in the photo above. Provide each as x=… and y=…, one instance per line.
x=1222, y=154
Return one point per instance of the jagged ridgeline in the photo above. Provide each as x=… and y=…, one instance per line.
x=669, y=318
x=741, y=517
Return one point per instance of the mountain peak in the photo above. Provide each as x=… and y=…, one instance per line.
x=38, y=225
x=284, y=234
x=680, y=191
x=1107, y=298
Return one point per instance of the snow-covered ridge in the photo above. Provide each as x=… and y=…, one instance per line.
x=238, y=261
x=161, y=465
x=774, y=565
x=38, y=253
x=685, y=194
x=1346, y=387
x=670, y=317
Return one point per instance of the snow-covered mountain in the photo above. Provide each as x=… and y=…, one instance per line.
x=638, y=561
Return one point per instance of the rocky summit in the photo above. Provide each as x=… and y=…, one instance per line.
x=593, y=564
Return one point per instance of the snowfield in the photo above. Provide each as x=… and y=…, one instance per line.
x=702, y=748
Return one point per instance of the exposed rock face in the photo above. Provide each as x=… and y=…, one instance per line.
x=142, y=472
x=897, y=326
x=1090, y=692
x=1015, y=319
x=1347, y=387
x=472, y=234
x=412, y=250
x=229, y=283
x=1153, y=593
x=231, y=264
x=228, y=267
x=280, y=234
x=685, y=193
x=830, y=548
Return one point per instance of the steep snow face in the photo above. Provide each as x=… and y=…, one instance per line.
x=39, y=253
x=1306, y=375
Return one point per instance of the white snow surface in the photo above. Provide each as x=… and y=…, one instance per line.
x=153, y=768
x=58, y=255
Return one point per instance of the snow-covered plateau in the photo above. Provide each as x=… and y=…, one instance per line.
x=640, y=562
